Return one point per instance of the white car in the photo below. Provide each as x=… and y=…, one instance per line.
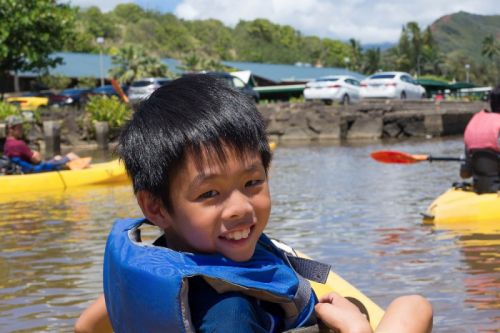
x=396, y=85
x=141, y=89
x=340, y=88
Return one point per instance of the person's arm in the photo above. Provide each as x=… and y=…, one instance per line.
x=94, y=319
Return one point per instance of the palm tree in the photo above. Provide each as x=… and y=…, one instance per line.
x=371, y=61
x=133, y=63
x=356, y=53
x=491, y=50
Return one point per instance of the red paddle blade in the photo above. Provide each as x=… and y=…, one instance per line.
x=389, y=156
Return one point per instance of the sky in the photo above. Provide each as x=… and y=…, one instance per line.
x=369, y=21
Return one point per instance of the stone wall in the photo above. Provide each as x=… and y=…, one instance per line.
x=370, y=119
x=315, y=121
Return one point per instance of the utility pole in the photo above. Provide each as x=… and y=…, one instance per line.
x=100, y=41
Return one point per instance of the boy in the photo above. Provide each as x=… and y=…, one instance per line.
x=198, y=157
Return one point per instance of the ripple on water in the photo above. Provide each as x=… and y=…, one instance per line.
x=332, y=202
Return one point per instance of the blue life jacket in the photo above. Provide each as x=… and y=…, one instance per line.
x=27, y=167
x=146, y=286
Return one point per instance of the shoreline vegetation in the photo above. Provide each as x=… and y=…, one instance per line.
x=441, y=50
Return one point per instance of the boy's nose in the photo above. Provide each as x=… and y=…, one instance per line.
x=237, y=206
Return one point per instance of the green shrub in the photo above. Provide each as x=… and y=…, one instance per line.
x=7, y=109
x=57, y=81
x=110, y=109
x=87, y=82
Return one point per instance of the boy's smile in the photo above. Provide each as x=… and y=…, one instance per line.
x=221, y=207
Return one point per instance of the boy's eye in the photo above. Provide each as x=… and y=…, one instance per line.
x=208, y=194
x=253, y=182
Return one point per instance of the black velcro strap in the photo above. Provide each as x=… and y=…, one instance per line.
x=310, y=269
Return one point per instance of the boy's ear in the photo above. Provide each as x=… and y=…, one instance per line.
x=153, y=209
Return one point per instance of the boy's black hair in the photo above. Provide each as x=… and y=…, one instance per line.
x=194, y=114
x=495, y=99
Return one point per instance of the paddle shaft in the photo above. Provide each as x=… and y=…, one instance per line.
x=444, y=159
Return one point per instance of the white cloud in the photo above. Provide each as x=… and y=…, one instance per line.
x=370, y=21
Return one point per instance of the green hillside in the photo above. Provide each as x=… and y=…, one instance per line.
x=445, y=48
x=463, y=33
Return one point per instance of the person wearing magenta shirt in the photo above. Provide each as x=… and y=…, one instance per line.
x=482, y=147
x=18, y=151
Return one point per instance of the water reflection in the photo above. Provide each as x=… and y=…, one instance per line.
x=331, y=202
x=51, y=255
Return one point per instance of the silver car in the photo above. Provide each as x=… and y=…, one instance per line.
x=141, y=89
x=341, y=88
x=397, y=85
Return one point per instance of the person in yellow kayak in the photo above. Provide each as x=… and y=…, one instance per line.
x=16, y=149
x=198, y=156
x=482, y=147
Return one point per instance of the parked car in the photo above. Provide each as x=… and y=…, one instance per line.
x=339, y=88
x=141, y=89
x=30, y=101
x=236, y=82
x=106, y=90
x=397, y=85
x=68, y=97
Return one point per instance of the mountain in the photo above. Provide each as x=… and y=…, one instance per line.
x=463, y=33
x=382, y=46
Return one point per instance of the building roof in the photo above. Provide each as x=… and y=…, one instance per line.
x=88, y=65
x=289, y=73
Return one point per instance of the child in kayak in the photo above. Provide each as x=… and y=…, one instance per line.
x=198, y=156
x=482, y=147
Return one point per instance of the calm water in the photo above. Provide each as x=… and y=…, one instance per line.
x=332, y=202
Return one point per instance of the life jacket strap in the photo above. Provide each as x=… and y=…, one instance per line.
x=310, y=269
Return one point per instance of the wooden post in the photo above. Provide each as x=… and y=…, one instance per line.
x=52, y=137
x=101, y=133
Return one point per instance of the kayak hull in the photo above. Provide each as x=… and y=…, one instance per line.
x=99, y=173
x=465, y=209
x=339, y=285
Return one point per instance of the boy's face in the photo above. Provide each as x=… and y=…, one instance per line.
x=224, y=207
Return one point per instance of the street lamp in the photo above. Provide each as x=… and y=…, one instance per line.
x=100, y=41
x=467, y=69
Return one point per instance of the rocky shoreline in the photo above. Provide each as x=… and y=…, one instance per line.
x=308, y=122
x=368, y=120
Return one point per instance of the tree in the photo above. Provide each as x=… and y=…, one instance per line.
x=491, y=50
x=55, y=81
x=371, y=61
x=30, y=31
x=403, y=51
x=133, y=63
x=356, y=54
x=87, y=82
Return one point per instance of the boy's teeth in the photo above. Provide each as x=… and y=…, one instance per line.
x=237, y=235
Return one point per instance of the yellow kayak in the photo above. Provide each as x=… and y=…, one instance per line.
x=345, y=289
x=464, y=209
x=337, y=284
x=99, y=173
